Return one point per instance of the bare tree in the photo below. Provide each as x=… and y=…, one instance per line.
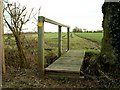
x=19, y=17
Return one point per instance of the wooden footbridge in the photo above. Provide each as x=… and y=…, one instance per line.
x=68, y=64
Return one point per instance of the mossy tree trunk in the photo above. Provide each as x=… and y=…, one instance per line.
x=110, y=51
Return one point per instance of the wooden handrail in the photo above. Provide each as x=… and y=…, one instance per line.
x=41, y=20
x=56, y=23
x=53, y=22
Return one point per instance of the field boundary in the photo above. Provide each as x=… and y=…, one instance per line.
x=88, y=39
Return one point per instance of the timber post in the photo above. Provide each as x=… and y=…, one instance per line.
x=2, y=59
x=41, y=61
x=59, y=41
x=68, y=39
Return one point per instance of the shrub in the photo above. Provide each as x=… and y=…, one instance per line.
x=90, y=56
x=50, y=58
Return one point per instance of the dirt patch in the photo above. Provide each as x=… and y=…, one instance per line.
x=28, y=78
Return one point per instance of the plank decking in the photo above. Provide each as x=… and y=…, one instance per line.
x=69, y=63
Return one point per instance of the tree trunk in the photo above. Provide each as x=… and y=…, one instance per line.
x=110, y=51
x=23, y=61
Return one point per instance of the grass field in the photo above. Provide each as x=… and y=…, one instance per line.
x=95, y=37
x=51, y=40
x=30, y=45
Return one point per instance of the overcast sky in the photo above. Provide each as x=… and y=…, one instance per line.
x=81, y=13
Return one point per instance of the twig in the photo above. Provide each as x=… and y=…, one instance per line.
x=89, y=76
x=106, y=76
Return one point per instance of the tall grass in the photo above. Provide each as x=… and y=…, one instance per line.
x=30, y=45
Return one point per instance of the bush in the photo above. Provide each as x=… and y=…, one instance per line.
x=50, y=58
x=90, y=56
x=91, y=52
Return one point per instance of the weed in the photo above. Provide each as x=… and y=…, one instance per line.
x=50, y=58
x=63, y=79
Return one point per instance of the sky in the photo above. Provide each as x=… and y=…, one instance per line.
x=75, y=13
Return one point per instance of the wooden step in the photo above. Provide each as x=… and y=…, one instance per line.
x=67, y=65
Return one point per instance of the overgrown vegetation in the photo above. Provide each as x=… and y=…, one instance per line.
x=63, y=79
x=50, y=58
x=89, y=58
x=19, y=18
x=104, y=68
x=30, y=48
x=110, y=56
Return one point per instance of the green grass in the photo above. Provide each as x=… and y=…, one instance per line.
x=51, y=40
x=30, y=45
x=96, y=37
x=92, y=52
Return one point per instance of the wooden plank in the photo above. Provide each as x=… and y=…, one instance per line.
x=70, y=62
x=54, y=22
x=75, y=53
x=57, y=75
x=41, y=61
x=66, y=64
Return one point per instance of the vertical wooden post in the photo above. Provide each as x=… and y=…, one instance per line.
x=2, y=59
x=41, y=45
x=68, y=39
x=59, y=41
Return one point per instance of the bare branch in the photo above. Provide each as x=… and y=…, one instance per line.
x=29, y=16
x=18, y=19
x=35, y=17
x=10, y=10
x=39, y=11
x=31, y=12
x=24, y=16
x=106, y=76
x=8, y=24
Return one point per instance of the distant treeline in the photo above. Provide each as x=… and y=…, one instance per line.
x=76, y=29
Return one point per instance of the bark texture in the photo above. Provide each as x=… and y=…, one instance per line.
x=110, y=51
x=23, y=62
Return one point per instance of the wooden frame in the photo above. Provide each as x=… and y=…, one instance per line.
x=41, y=60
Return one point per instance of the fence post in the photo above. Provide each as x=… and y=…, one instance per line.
x=59, y=41
x=41, y=61
x=68, y=39
x=2, y=58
